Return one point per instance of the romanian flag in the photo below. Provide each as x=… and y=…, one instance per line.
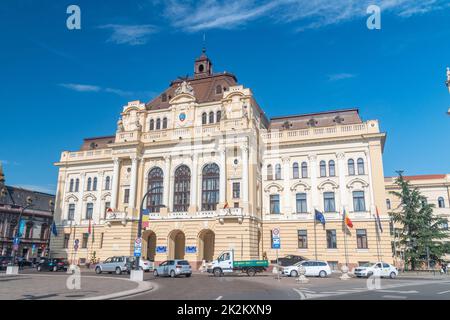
x=145, y=218
x=226, y=205
x=90, y=227
x=347, y=220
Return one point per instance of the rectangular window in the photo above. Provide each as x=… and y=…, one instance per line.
x=236, y=204
x=107, y=206
x=274, y=203
x=331, y=239
x=329, y=203
x=66, y=240
x=361, y=238
x=71, y=212
x=84, y=242
x=302, y=239
x=89, y=211
x=126, y=195
x=301, y=204
x=359, y=204
x=236, y=190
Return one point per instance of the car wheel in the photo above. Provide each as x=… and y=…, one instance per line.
x=392, y=275
x=293, y=273
x=217, y=272
x=118, y=271
x=251, y=272
x=172, y=274
x=188, y=275
x=55, y=268
x=155, y=273
x=98, y=270
x=322, y=274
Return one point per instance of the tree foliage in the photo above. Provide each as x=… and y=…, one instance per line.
x=421, y=230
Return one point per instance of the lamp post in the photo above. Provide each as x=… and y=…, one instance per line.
x=17, y=233
x=51, y=204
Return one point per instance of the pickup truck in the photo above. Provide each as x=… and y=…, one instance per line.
x=226, y=263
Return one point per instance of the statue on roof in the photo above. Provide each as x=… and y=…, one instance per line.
x=184, y=87
x=120, y=127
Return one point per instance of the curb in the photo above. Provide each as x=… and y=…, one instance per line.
x=143, y=287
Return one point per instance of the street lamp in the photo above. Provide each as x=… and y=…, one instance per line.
x=17, y=233
x=51, y=204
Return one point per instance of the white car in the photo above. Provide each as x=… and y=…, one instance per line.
x=313, y=268
x=380, y=269
x=146, y=265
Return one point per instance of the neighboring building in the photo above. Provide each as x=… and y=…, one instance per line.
x=435, y=187
x=37, y=220
x=205, y=143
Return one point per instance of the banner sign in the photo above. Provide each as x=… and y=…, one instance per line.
x=161, y=249
x=191, y=249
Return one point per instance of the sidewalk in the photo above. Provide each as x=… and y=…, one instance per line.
x=53, y=286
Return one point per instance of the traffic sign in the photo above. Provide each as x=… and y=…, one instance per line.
x=137, y=247
x=16, y=241
x=276, y=238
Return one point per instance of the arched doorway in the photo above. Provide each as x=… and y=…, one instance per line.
x=177, y=241
x=206, y=245
x=151, y=246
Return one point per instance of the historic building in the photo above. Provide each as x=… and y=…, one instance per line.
x=221, y=175
x=435, y=187
x=26, y=215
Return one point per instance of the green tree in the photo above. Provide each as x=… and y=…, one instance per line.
x=422, y=232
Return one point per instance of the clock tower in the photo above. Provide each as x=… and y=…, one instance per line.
x=203, y=66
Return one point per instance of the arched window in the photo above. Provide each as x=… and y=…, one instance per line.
x=360, y=166
x=351, y=167
x=89, y=184
x=278, y=172
x=304, y=170
x=441, y=202
x=211, y=117
x=218, y=116
x=204, y=116
x=295, y=173
x=323, y=169
x=77, y=185
x=331, y=168
x=182, y=188
x=158, y=124
x=94, y=185
x=156, y=188
x=218, y=89
x=44, y=232
x=108, y=183
x=210, y=186
x=269, y=172
x=71, y=185
x=164, y=123
x=152, y=124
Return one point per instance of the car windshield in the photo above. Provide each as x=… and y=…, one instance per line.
x=183, y=263
x=368, y=264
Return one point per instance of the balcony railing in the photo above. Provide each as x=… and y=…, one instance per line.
x=220, y=213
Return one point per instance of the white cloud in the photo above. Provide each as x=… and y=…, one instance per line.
x=129, y=34
x=80, y=87
x=194, y=16
x=340, y=76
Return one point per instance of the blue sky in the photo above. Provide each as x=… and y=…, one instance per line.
x=58, y=86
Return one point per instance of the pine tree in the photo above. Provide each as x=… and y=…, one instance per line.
x=422, y=234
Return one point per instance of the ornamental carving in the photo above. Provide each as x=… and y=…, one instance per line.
x=184, y=87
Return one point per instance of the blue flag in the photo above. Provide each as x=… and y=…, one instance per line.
x=319, y=216
x=54, y=231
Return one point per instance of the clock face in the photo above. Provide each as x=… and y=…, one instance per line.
x=182, y=116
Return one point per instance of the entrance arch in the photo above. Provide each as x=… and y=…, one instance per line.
x=177, y=242
x=151, y=245
x=206, y=245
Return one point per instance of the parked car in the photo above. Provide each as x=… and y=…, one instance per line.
x=5, y=261
x=53, y=264
x=289, y=260
x=144, y=265
x=117, y=265
x=173, y=268
x=381, y=269
x=313, y=268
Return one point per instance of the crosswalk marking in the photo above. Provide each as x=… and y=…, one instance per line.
x=443, y=292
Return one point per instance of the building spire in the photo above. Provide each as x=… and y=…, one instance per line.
x=2, y=174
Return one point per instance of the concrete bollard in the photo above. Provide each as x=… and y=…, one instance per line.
x=137, y=275
x=12, y=270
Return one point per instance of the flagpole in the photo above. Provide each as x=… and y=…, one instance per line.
x=378, y=238
x=345, y=237
x=315, y=236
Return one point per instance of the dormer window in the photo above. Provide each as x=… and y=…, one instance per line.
x=218, y=89
x=164, y=97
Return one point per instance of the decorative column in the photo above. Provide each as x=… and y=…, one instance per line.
x=82, y=187
x=313, y=173
x=370, y=188
x=115, y=183
x=223, y=177
x=166, y=191
x=286, y=192
x=244, y=150
x=343, y=192
x=194, y=179
x=101, y=175
x=134, y=166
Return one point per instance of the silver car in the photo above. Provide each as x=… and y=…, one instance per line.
x=115, y=264
x=173, y=268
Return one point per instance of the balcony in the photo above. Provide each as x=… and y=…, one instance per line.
x=219, y=214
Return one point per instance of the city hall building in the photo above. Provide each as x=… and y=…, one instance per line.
x=221, y=175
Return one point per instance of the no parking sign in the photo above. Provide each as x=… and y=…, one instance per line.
x=276, y=238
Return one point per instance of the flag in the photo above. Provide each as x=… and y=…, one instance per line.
x=89, y=229
x=379, y=221
x=145, y=218
x=347, y=220
x=54, y=230
x=226, y=205
x=319, y=216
